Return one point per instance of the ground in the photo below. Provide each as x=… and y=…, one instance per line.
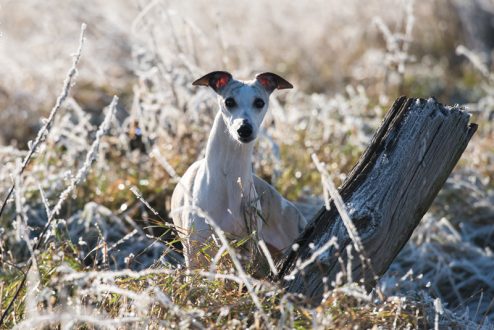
x=108, y=259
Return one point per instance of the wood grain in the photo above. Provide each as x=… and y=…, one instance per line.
x=386, y=194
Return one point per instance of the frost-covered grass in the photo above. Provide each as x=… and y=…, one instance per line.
x=102, y=175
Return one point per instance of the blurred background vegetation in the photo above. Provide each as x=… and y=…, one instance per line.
x=348, y=62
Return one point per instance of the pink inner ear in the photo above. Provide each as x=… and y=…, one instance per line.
x=266, y=83
x=222, y=82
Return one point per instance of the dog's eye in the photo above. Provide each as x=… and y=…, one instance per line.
x=259, y=103
x=230, y=103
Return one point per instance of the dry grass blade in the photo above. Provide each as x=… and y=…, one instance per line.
x=90, y=157
x=340, y=205
x=81, y=173
x=269, y=258
x=109, y=260
x=68, y=83
x=347, y=221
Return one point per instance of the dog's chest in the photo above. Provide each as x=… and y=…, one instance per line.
x=233, y=209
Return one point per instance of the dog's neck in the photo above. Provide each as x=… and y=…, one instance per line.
x=229, y=160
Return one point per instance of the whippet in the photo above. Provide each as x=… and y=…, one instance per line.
x=223, y=184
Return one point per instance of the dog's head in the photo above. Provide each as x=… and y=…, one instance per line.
x=243, y=103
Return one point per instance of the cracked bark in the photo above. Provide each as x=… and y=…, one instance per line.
x=386, y=194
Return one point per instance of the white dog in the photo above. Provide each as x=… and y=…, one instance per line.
x=223, y=184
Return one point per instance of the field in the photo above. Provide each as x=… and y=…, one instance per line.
x=99, y=119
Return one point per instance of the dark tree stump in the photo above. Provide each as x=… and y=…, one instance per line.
x=386, y=195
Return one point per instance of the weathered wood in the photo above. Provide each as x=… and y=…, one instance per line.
x=386, y=194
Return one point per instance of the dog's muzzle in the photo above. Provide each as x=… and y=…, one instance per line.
x=245, y=132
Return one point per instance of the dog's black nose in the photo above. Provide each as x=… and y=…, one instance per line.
x=245, y=130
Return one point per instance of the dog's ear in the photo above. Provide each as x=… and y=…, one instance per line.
x=216, y=80
x=271, y=81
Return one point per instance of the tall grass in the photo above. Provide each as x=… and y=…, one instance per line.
x=101, y=187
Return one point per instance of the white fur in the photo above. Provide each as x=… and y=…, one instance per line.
x=224, y=186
